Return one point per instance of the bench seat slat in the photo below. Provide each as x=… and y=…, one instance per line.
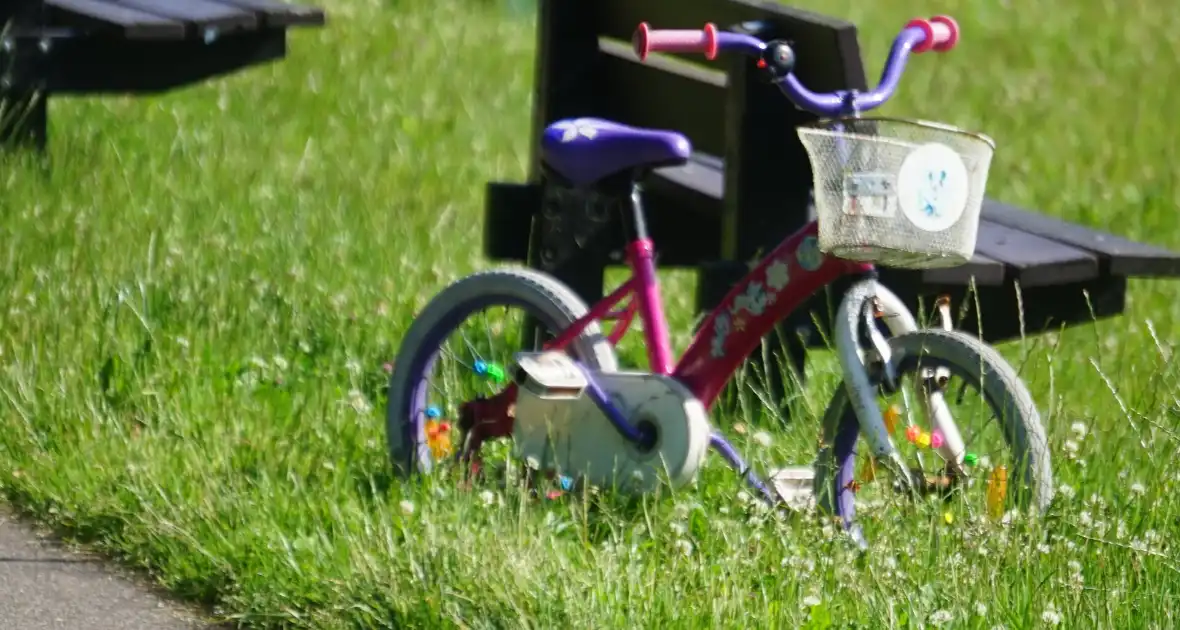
x=986, y=272
x=199, y=13
x=134, y=24
x=1035, y=261
x=279, y=14
x=1127, y=257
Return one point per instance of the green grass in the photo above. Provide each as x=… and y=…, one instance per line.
x=200, y=295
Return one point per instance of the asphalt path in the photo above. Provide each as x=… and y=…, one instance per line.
x=43, y=585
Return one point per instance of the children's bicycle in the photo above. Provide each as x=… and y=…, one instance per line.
x=900, y=192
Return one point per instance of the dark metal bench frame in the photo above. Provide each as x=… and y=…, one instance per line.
x=750, y=180
x=52, y=47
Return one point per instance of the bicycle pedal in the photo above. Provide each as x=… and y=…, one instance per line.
x=795, y=485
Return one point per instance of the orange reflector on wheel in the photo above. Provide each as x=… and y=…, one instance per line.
x=997, y=491
x=438, y=438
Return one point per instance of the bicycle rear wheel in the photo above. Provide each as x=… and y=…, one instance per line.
x=422, y=391
x=1019, y=478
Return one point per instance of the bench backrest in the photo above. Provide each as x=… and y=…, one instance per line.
x=585, y=67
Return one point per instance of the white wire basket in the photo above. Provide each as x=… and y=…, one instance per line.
x=898, y=193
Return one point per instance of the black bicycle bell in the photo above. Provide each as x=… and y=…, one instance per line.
x=778, y=59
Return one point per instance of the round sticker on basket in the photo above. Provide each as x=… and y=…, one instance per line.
x=932, y=187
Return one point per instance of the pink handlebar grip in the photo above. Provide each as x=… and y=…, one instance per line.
x=647, y=41
x=942, y=33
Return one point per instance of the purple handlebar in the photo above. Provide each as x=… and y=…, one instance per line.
x=939, y=33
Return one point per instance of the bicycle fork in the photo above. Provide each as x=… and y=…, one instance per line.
x=864, y=302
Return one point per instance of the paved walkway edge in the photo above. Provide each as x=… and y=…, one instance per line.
x=44, y=585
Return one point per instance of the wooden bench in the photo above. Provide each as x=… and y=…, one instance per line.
x=52, y=47
x=748, y=184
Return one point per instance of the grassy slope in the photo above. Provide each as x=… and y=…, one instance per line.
x=198, y=300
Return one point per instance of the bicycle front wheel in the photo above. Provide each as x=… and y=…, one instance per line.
x=1012, y=469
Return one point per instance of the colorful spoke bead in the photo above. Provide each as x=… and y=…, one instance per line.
x=923, y=440
x=912, y=433
x=936, y=439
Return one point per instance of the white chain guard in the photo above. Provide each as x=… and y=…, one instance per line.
x=570, y=434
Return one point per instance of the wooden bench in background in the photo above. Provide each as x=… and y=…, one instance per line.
x=749, y=183
x=52, y=47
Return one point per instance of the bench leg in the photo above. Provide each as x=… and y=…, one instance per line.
x=24, y=120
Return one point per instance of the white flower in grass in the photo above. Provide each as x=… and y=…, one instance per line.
x=573, y=129
x=684, y=546
x=1079, y=429
x=941, y=617
x=1138, y=489
x=1051, y=616
x=1066, y=491
x=810, y=601
x=358, y=402
x=980, y=609
x=762, y=438
x=487, y=497
x=1071, y=447
x=406, y=507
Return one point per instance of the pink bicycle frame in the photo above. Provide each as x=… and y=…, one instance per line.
x=781, y=282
